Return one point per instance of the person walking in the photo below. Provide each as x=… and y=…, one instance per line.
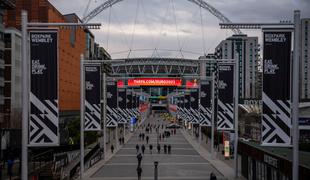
x=139, y=157
x=120, y=141
x=165, y=149
x=143, y=148
x=169, y=149
x=151, y=148
x=112, y=148
x=137, y=148
x=139, y=172
x=212, y=176
x=158, y=148
x=147, y=139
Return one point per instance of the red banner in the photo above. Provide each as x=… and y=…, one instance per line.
x=154, y=82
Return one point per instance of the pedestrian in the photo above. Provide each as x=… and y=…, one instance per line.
x=10, y=166
x=165, y=149
x=169, y=149
x=120, y=140
x=163, y=135
x=137, y=148
x=123, y=140
x=212, y=176
x=139, y=157
x=158, y=148
x=147, y=139
x=151, y=148
x=112, y=148
x=139, y=172
x=143, y=135
x=143, y=148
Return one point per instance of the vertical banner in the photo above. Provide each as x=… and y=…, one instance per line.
x=122, y=105
x=205, y=103
x=129, y=103
x=44, y=109
x=181, y=107
x=276, y=120
x=194, y=109
x=226, y=97
x=92, y=98
x=112, y=115
x=187, y=106
x=134, y=103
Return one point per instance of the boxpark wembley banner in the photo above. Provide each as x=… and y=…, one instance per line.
x=122, y=105
x=111, y=108
x=187, y=106
x=205, y=103
x=276, y=120
x=92, y=98
x=44, y=108
x=194, y=106
x=225, y=116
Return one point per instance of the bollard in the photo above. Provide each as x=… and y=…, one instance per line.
x=156, y=170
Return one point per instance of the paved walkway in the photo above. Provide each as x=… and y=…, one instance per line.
x=188, y=160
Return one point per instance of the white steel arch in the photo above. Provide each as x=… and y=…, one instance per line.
x=200, y=3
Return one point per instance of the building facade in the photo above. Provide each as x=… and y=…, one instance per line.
x=13, y=79
x=71, y=45
x=305, y=60
x=247, y=49
x=4, y=4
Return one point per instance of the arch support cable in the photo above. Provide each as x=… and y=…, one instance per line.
x=200, y=3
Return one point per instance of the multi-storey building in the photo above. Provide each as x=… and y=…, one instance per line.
x=71, y=44
x=13, y=79
x=4, y=4
x=247, y=49
x=305, y=60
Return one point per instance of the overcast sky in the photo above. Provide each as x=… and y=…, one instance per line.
x=171, y=25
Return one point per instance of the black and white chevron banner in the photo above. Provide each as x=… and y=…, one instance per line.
x=44, y=109
x=92, y=117
x=276, y=120
x=205, y=103
x=225, y=116
x=122, y=106
x=111, y=108
x=43, y=125
x=205, y=116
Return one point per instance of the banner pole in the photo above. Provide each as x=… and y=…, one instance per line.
x=213, y=115
x=295, y=96
x=104, y=117
x=82, y=99
x=25, y=85
x=236, y=104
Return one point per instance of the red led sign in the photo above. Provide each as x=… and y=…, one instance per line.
x=154, y=82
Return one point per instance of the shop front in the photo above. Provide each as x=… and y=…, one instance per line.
x=269, y=163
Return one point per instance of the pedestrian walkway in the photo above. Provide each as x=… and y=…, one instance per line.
x=184, y=163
